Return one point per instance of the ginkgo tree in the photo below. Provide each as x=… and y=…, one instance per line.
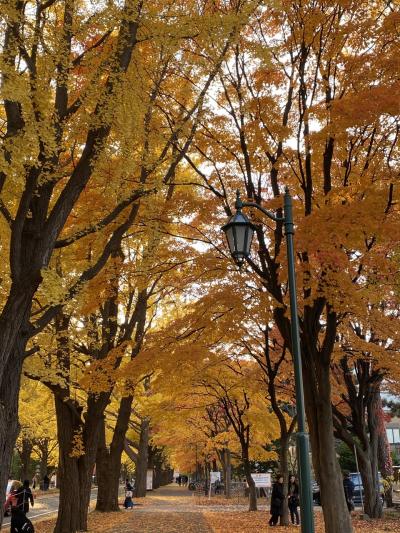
x=77, y=80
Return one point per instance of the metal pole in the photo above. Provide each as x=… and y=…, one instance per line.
x=306, y=502
x=359, y=479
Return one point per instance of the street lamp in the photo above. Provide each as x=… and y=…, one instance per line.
x=239, y=233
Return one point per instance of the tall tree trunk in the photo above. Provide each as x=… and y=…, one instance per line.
x=68, y=425
x=369, y=476
x=284, y=471
x=25, y=455
x=316, y=374
x=142, y=459
x=9, y=426
x=107, y=473
x=44, y=457
x=385, y=463
x=107, y=494
x=226, y=462
x=251, y=484
x=78, y=442
x=317, y=393
x=374, y=501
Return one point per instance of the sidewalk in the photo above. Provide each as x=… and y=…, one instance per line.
x=173, y=509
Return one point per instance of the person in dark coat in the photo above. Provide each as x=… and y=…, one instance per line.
x=19, y=522
x=277, y=499
x=348, y=487
x=128, y=503
x=293, y=500
x=15, y=501
x=27, y=496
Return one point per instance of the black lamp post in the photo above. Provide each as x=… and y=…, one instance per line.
x=239, y=233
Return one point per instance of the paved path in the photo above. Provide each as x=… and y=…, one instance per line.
x=181, y=500
x=169, y=509
x=45, y=507
x=167, y=499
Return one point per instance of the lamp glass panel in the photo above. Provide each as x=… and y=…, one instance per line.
x=230, y=239
x=249, y=239
x=241, y=231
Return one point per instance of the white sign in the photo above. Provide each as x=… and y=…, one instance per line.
x=149, y=479
x=262, y=481
x=215, y=476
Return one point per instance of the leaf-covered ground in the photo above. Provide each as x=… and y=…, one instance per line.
x=173, y=510
x=204, y=522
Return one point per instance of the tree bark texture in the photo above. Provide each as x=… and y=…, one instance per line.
x=385, y=463
x=250, y=483
x=316, y=375
x=9, y=426
x=361, y=426
x=109, y=462
x=25, y=456
x=68, y=519
x=227, y=466
x=142, y=459
x=108, y=477
x=284, y=471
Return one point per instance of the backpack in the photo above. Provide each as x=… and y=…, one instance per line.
x=21, y=499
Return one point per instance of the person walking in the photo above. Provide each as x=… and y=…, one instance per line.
x=128, y=503
x=27, y=496
x=293, y=500
x=277, y=499
x=348, y=487
x=15, y=502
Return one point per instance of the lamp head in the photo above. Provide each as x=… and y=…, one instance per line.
x=239, y=233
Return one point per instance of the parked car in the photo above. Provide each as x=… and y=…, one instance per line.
x=359, y=489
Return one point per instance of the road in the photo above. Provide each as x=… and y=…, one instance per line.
x=45, y=506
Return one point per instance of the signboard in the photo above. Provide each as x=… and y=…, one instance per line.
x=149, y=479
x=215, y=476
x=262, y=481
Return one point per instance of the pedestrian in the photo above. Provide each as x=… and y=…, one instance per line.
x=20, y=522
x=348, y=487
x=46, y=482
x=15, y=502
x=293, y=500
x=34, y=482
x=128, y=503
x=277, y=499
x=27, y=496
x=13, y=496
